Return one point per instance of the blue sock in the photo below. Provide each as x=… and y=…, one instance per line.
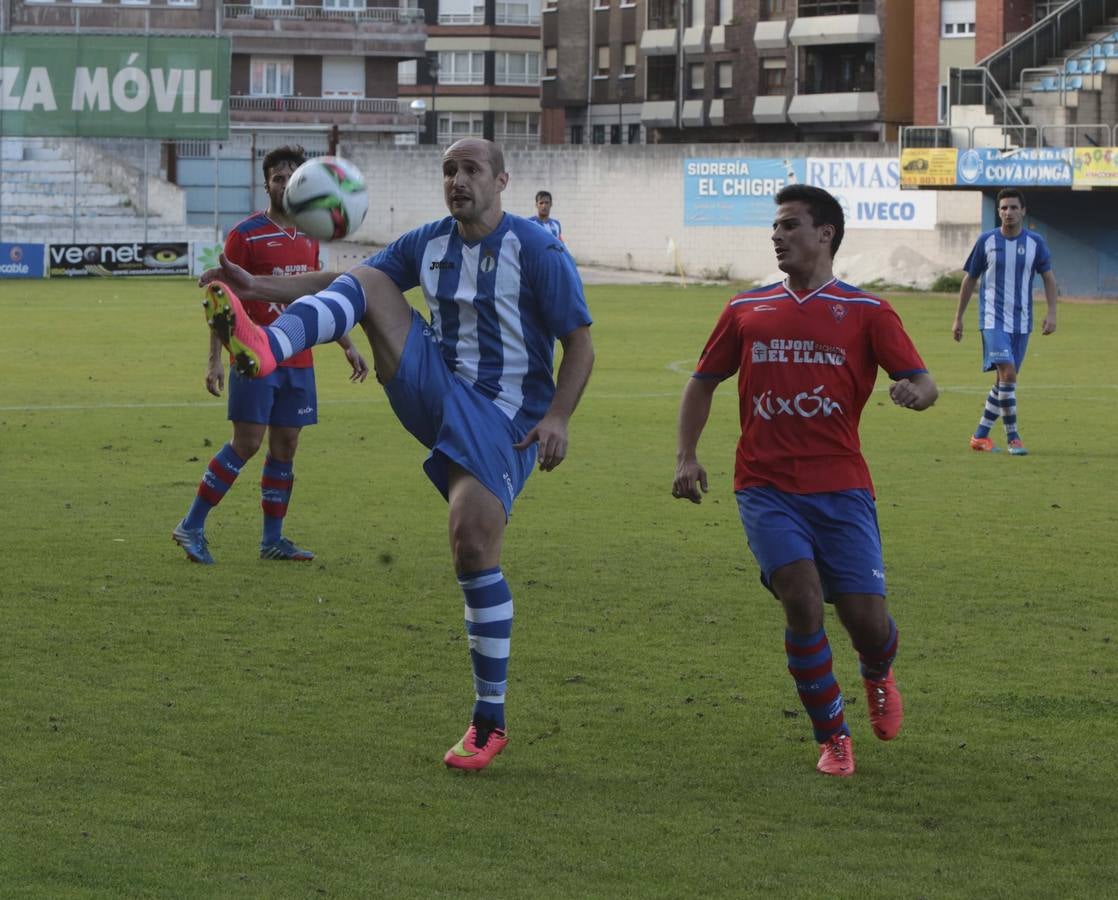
x=809, y=662
x=990, y=413
x=276, y=483
x=489, y=627
x=317, y=318
x=218, y=478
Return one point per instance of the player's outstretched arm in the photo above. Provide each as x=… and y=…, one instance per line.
x=574, y=372
x=918, y=392
x=270, y=288
x=965, y=292
x=690, y=481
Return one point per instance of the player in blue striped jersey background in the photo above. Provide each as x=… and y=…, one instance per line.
x=1004, y=263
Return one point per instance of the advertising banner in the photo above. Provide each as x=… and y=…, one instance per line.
x=869, y=191
x=1024, y=167
x=735, y=191
x=929, y=166
x=22, y=260
x=1095, y=167
x=135, y=258
x=96, y=85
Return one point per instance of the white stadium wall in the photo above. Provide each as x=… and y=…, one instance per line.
x=625, y=207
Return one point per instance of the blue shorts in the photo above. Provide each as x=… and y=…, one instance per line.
x=837, y=531
x=1000, y=347
x=286, y=398
x=454, y=421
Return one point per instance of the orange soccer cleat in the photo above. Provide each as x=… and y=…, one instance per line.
x=466, y=754
x=836, y=756
x=247, y=341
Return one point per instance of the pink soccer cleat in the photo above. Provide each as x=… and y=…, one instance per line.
x=1016, y=448
x=886, y=708
x=836, y=756
x=247, y=341
x=466, y=754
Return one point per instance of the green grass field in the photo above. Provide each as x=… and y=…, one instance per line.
x=258, y=729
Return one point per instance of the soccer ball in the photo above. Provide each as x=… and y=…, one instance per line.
x=326, y=198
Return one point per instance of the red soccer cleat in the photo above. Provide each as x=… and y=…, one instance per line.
x=836, y=756
x=466, y=754
x=886, y=708
x=247, y=341
x=983, y=445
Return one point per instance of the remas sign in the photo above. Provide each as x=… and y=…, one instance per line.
x=869, y=190
x=107, y=86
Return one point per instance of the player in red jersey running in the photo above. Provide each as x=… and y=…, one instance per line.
x=806, y=352
x=266, y=243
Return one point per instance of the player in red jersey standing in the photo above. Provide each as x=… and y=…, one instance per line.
x=266, y=243
x=806, y=352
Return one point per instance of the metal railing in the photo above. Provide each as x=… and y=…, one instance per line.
x=1009, y=138
x=350, y=105
x=302, y=13
x=976, y=86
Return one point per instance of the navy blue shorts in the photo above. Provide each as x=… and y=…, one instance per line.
x=1000, y=347
x=454, y=421
x=837, y=530
x=286, y=398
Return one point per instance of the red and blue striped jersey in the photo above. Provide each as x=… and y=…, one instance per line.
x=806, y=363
x=262, y=247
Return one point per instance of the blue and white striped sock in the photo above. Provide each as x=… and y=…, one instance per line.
x=1007, y=398
x=990, y=413
x=489, y=628
x=317, y=318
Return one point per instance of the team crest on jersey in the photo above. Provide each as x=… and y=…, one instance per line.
x=838, y=311
x=488, y=263
x=1020, y=251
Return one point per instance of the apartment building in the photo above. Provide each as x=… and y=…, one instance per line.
x=480, y=75
x=671, y=71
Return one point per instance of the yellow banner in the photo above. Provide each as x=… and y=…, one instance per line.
x=923, y=166
x=1095, y=167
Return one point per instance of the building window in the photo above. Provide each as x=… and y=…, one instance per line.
x=461, y=12
x=272, y=4
x=773, y=72
x=461, y=67
x=601, y=4
x=662, y=14
x=603, y=60
x=551, y=55
x=660, y=78
x=957, y=18
x=599, y=134
x=456, y=125
x=634, y=132
x=524, y=12
x=723, y=11
x=725, y=73
x=615, y=134
x=271, y=77
x=835, y=7
x=343, y=76
x=343, y=4
x=516, y=68
x=941, y=104
x=695, y=79
x=838, y=69
x=517, y=128
x=576, y=134
x=772, y=9
x=629, y=55
x=407, y=71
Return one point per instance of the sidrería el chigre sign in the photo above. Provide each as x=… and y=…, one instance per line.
x=114, y=86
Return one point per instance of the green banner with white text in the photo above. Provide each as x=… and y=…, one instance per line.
x=77, y=85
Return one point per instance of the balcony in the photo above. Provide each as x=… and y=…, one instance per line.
x=660, y=113
x=771, y=35
x=770, y=109
x=658, y=42
x=856, y=29
x=374, y=30
x=853, y=106
x=364, y=113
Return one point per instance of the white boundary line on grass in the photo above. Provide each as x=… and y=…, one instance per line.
x=201, y=404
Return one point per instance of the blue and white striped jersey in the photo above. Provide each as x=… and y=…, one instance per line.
x=497, y=306
x=1007, y=267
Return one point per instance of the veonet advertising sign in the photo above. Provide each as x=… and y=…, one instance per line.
x=137, y=258
x=78, y=85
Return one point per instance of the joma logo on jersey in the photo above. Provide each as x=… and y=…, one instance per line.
x=441, y=264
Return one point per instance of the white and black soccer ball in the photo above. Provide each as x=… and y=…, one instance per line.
x=326, y=198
